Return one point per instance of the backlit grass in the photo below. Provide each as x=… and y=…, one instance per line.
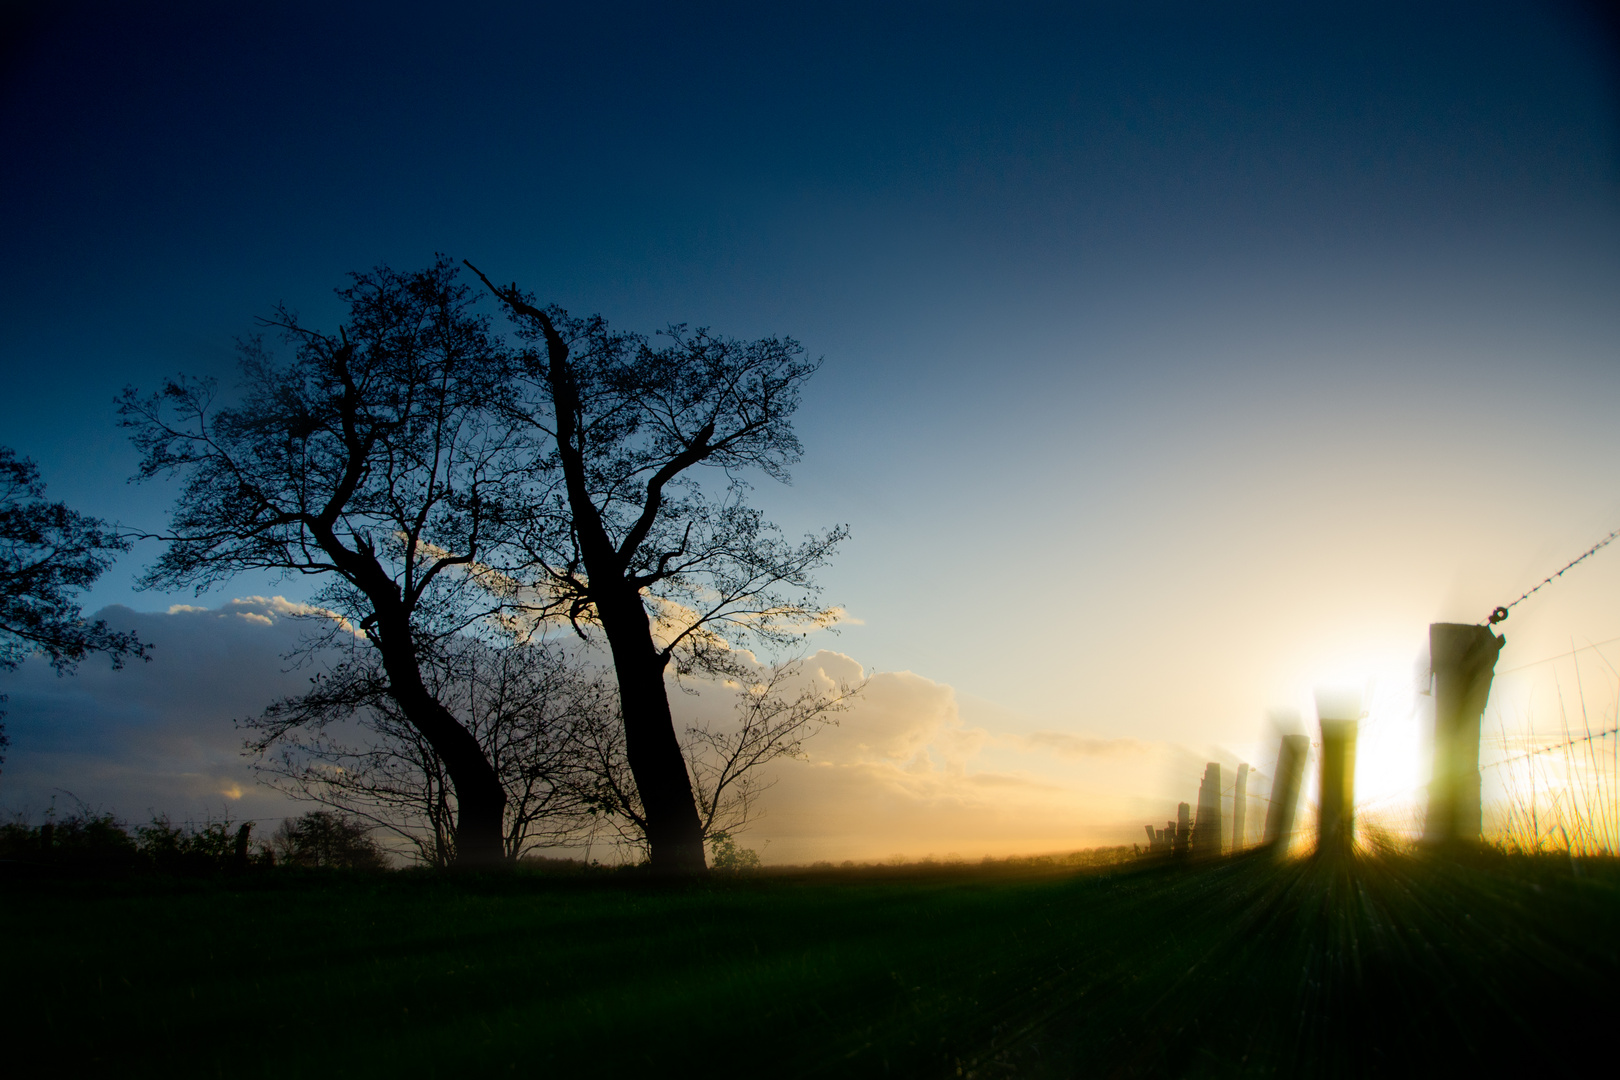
x=1390, y=963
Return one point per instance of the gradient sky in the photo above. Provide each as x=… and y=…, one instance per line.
x=1176, y=360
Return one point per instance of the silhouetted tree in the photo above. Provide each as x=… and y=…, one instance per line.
x=322, y=839
x=48, y=553
x=536, y=714
x=371, y=458
x=634, y=545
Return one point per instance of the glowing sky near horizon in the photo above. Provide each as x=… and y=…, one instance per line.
x=1177, y=361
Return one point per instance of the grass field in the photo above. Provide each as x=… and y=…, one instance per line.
x=1388, y=965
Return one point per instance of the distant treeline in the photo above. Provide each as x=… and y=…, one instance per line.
x=320, y=839
x=324, y=839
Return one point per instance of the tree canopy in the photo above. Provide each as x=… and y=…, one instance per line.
x=48, y=554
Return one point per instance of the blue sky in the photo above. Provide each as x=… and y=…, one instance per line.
x=1175, y=358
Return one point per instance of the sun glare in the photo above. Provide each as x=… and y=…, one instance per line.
x=1393, y=736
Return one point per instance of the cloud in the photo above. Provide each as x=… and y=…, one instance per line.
x=157, y=737
x=897, y=716
x=902, y=774
x=265, y=610
x=899, y=773
x=1068, y=745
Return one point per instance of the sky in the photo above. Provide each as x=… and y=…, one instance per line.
x=1177, y=361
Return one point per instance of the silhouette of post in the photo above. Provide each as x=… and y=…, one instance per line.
x=1285, y=789
x=1240, y=798
x=1463, y=659
x=1183, y=841
x=1339, y=716
x=1206, y=842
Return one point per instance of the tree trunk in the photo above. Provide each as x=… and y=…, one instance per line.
x=674, y=832
x=480, y=798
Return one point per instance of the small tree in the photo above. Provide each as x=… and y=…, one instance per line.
x=48, y=553
x=631, y=543
x=534, y=712
x=323, y=840
x=774, y=712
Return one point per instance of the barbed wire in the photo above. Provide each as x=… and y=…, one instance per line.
x=1576, y=741
x=1560, y=656
x=1500, y=613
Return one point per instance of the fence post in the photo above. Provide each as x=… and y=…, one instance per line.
x=1240, y=798
x=1463, y=659
x=1207, y=831
x=1285, y=789
x=1339, y=716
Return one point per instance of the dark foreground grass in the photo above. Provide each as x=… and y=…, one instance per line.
x=1391, y=965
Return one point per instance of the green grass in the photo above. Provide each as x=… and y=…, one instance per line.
x=1391, y=965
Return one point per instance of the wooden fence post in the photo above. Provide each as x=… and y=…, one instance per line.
x=1240, y=798
x=1463, y=659
x=1339, y=716
x=1207, y=830
x=1285, y=789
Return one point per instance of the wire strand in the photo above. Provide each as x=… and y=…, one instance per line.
x=1576, y=741
x=1560, y=656
x=1502, y=612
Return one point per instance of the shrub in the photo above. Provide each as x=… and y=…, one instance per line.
x=728, y=857
x=189, y=849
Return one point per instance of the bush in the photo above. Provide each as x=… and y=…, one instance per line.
x=729, y=858
x=187, y=849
